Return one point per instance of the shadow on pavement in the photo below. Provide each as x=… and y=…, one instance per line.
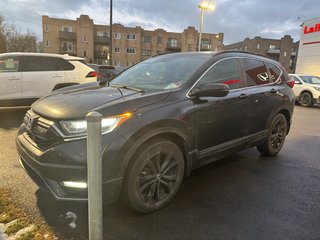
x=12, y=117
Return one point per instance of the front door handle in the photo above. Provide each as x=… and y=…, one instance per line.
x=243, y=96
x=13, y=78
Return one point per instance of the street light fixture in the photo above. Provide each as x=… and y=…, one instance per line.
x=204, y=6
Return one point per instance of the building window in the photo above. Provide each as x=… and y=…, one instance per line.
x=117, y=63
x=272, y=46
x=84, y=38
x=102, y=34
x=173, y=42
x=258, y=46
x=66, y=29
x=131, y=50
x=116, y=49
x=131, y=36
x=189, y=47
x=285, y=54
x=147, y=39
x=159, y=40
x=84, y=53
x=46, y=43
x=293, y=49
x=67, y=46
x=146, y=52
x=117, y=35
x=46, y=28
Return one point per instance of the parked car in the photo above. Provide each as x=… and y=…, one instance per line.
x=104, y=73
x=162, y=118
x=25, y=77
x=306, y=89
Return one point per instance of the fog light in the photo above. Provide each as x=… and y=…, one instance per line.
x=70, y=184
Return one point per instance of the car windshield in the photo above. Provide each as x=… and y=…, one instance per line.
x=162, y=73
x=311, y=79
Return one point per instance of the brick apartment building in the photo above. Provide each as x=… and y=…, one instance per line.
x=283, y=50
x=83, y=38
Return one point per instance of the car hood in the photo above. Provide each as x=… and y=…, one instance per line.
x=76, y=102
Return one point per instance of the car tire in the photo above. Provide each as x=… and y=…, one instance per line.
x=276, y=136
x=305, y=99
x=153, y=176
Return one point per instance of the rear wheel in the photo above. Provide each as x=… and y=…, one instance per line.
x=306, y=99
x=276, y=136
x=154, y=176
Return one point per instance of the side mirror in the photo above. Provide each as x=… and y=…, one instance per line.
x=210, y=90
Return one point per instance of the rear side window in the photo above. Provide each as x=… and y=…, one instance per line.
x=274, y=72
x=40, y=64
x=226, y=72
x=9, y=64
x=256, y=72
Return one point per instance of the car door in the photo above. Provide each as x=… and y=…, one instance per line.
x=10, y=78
x=39, y=76
x=221, y=120
x=264, y=91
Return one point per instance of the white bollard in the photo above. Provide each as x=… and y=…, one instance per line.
x=94, y=165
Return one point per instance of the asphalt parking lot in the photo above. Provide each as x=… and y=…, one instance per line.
x=244, y=196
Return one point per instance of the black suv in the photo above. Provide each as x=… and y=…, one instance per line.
x=161, y=118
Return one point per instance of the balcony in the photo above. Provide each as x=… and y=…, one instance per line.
x=68, y=50
x=100, y=54
x=176, y=46
x=67, y=35
x=273, y=51
x=205, y=47
x=101, y=39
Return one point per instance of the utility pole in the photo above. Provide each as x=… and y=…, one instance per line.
x=110, y=36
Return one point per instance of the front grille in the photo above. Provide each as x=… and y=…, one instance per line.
x=41, y=131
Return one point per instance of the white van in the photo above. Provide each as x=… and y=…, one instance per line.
x=25, y=77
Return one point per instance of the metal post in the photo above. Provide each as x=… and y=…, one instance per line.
x=94, y=163
x=110, y=36
x=200, y=35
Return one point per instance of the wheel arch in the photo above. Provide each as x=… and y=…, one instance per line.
x=287, y=115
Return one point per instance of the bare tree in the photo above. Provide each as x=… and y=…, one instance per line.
x=3, y=45
x=14, y=40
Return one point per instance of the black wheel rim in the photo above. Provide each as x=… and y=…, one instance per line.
x=278, y=134
x=306, y=98
x=159, y=176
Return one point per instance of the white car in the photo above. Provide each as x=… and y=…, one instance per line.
x=306, y=89
x=25, y=77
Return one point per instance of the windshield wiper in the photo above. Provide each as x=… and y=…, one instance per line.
x=127, y=87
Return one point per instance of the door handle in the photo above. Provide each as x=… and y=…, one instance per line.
x=273, y=90
x=243, y=96
x=13, y=78
x=57, y=76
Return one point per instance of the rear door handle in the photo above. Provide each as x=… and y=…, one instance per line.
x=273, y=90
x=57, y=76
x=243, y=96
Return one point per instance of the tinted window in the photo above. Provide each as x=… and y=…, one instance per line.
x=274, y=71
x=9, y=64
x=226, y=72
x=63, y=64
x=31, y=64
x=256, y=72
x=311, y=79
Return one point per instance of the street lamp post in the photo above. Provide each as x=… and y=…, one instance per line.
x=204, y=6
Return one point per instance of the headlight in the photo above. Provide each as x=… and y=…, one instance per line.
x=317, y=88
x=79, y=127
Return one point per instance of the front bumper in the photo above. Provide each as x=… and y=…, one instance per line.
x=67, y=162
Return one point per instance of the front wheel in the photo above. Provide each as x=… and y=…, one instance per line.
x=154, y=176
x=306, y=99
x=276, y=136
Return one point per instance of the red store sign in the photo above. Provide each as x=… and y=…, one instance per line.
x=313, y=29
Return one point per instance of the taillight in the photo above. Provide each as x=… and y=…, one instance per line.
x=92, y=74
x=290, y=83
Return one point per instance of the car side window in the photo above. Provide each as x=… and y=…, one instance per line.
x=63, y=64
x=37, y=64
x=9, y=64
x=256, y=72
x=274, y=72
x=225, y=71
